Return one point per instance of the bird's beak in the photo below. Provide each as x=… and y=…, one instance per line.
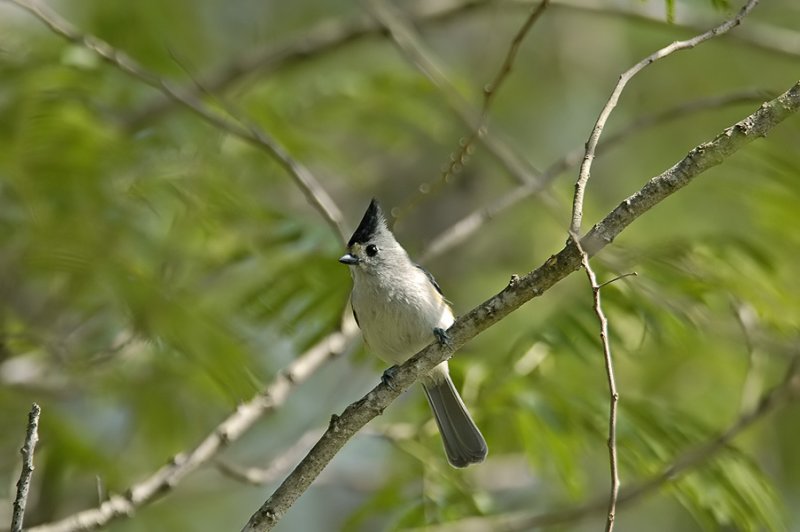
x=349, y=259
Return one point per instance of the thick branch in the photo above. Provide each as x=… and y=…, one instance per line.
x=519, y=291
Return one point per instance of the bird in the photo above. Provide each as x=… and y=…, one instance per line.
x=400, y=309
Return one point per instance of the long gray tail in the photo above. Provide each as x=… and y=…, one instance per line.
x=463, y=442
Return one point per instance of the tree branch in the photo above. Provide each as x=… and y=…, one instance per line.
x=230, y=430
x=278, y=466
x=594, y=137
x=519, y=291
x=464, y=228
x=251, y=133
x=767, y=37
x=24, y=482
x=612, y=385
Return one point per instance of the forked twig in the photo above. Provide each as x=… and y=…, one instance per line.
x=612, y=384
x=597, y=130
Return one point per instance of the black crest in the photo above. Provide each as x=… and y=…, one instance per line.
x=370, y=223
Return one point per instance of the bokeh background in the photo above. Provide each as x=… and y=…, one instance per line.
x=155, y=270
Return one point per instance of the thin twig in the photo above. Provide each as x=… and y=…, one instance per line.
x=278, y=466
x=231, y=429
x=747, y=320
x=617, y=278
x=464, y=228
x=597, y=131
x=24, y=482
x=782, y=394
x=519, y=291
x=249, y=132
x=283, y=462
x=612, y=385
x=761, y=35
x=410, y=44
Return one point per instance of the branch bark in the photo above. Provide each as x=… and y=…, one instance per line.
x=24, y=483
x=519, y=291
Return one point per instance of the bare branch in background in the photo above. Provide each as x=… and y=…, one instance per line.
x=768, y=37
x=251, y=133
x=330, y=35
x=612, y=384
x=464, y=228
x=278, y=466
x=24, y=482
x=410, y=44
x=519, y=291
x=747, y=318
x=230, y=430
x=597, y=131
x=324, y=37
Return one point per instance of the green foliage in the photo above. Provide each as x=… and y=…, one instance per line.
x=152, y=279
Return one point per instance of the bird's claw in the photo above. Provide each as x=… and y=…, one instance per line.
x=442, y=337
x=388, y=376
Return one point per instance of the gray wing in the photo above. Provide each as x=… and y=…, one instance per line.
x=431, y=279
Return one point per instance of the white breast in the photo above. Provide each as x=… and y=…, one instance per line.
x=397, y=319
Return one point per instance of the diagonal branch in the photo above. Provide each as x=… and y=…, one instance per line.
x=230, y=430
x=24, y=483
x=464, y=228
x=519, y=291
x=594, y=137
x=251, y=133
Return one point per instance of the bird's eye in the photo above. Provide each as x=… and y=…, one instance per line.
x=372, y=250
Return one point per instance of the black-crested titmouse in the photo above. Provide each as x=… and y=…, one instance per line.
x=400, y=310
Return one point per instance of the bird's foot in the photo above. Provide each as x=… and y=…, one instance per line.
x=442, y=337
x=388, y=376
